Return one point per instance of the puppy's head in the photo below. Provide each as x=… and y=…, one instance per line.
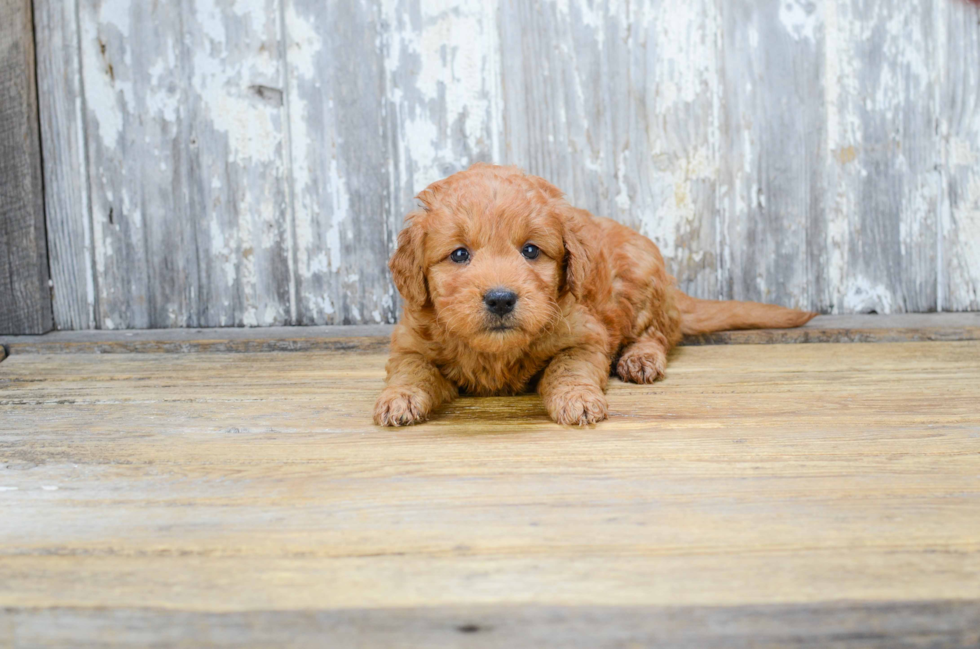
x=491, y=251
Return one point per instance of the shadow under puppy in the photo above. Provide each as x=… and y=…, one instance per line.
x=506, y=287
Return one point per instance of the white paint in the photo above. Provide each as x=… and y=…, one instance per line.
x=684, y=77
x=222, y=80
x=843, y=128
x=245, y=255
x=686, y=63
x=590, y=16
x=49, y=487
x=449, y=62
x=222, y=251
x=305, y=44
x=799, y=17
x=905, y=55
x=623, y=201
x=163, y=97
x=677, y=216
x=271, y=316
x=341, y=212
x=108, y=95
x=961, y=153
x=863, y=296
x=9, y=488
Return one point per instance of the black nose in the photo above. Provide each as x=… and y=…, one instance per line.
x=500, y=301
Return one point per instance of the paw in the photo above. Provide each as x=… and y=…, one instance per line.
x=578, y=407
x=641, y=366
x=401, y=407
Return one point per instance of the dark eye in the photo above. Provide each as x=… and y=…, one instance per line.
x=460, y=255
x=530, y=251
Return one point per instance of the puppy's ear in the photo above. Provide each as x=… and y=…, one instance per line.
x=545, y=187
x=580, y=251
x=407, y=263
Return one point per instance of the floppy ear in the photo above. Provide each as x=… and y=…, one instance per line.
x=406, y=263
x=579, y=252
x=546, y=188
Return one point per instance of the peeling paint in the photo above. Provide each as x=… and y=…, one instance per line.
x=863, y=296
x=222, y=82
x=439, y=59
x=295, y=134
x=800, y=18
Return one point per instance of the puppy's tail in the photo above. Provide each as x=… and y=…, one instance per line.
x=705, y=316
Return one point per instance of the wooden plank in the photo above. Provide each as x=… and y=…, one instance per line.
x=881, y=84
x=185, y=139
x=618, y=105
x=374, y=338
x=233, y=137
x=443, y=96
x=951, y=624
x=959, y=124
x=126, y=136
x=774, y=114
x=66, y=203
x=759, y=496
x=25, y=299
x=837, y=335
x=339, y=155
x=442, y=89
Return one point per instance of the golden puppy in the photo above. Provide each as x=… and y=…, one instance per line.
x=506, y=286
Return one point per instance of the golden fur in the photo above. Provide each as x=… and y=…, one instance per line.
x=598, y=293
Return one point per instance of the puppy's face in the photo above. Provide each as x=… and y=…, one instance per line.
x=488, y=254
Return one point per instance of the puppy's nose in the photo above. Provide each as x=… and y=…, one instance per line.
x=500, y=301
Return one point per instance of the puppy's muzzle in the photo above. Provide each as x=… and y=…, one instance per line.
x=500, y=301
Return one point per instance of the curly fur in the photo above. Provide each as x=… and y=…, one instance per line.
x=597, y=295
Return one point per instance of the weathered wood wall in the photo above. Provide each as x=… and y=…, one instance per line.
x=216, y=163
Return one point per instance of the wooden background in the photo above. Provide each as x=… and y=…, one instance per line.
x=249, y=162
x=25, y=298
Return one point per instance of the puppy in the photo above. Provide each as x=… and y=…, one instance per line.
x=508, y=288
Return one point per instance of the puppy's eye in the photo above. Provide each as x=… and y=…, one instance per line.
x=530, y=251
x=460, y=255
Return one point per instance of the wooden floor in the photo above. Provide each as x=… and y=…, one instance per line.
x=762, y=495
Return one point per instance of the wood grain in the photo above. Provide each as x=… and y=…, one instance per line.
x=233, y=137
x=774, y=158
x=258, y=167
x=66, y=201
x=442, y=101
x=184, y=130
x=960, y=125
x=948, y=624
x=883, y=74
x=25, y=299
x=792, y=493
x=618, y=105
x=339, y=157
x=374, y=338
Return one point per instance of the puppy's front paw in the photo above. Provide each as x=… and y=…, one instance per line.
x=577, y=407
x=401, y=407
x=642, y=366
